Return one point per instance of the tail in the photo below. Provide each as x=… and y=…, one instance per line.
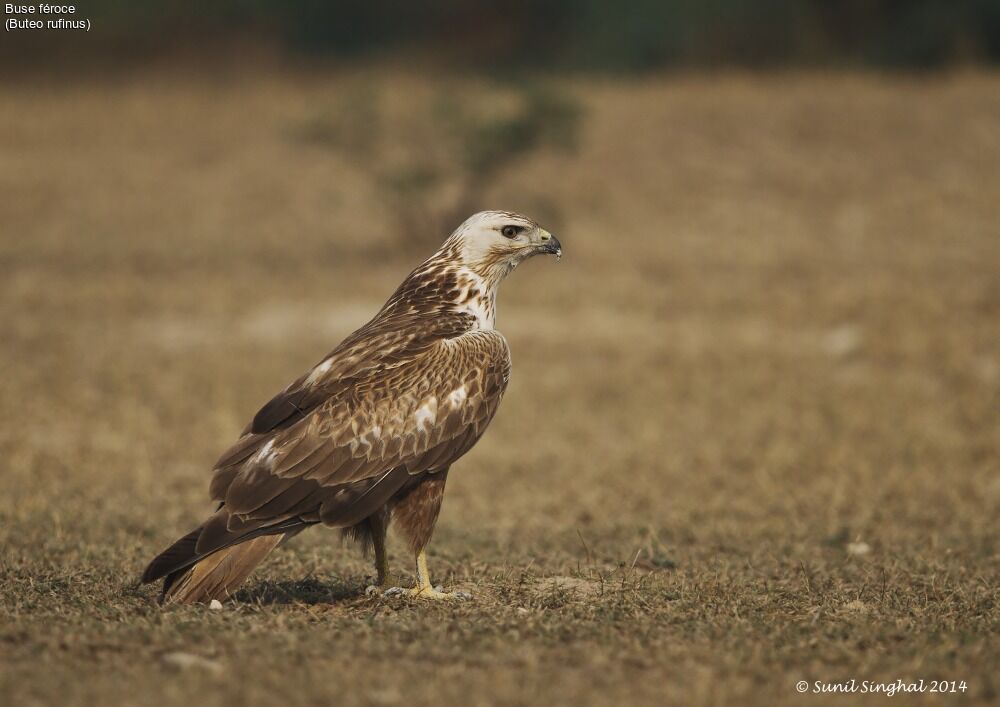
x=218, y=575
x=192, y=576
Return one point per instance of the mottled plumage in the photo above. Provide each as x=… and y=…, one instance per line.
x=367, y=435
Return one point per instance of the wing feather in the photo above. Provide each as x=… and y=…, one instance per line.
x=361, y=426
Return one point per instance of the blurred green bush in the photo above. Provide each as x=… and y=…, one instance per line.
x=435, y=162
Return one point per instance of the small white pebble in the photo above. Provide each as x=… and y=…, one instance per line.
x=215, y=605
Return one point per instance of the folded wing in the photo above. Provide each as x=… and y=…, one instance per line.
x=336, y=445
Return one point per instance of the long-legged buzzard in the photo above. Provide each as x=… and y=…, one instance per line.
x=368, y=435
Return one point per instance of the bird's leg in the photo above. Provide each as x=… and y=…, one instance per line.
x=415, y=515
x=378, y=525
x=424, y=589
x=423, y=575
x=381, y=560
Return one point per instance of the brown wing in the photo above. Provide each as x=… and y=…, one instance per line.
x=380, y=345
x=416, y=406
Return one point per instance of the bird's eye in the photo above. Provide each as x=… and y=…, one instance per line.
x=510, y=231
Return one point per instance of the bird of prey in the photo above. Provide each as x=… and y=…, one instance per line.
x=367, y=436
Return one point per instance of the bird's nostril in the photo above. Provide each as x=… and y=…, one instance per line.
x=546, y=236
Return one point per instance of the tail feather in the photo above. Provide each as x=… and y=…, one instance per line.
x=195, y=574
x=178, y=556
x=218, y=575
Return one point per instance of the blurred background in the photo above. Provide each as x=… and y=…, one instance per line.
x=582, y=35
x=764, y=378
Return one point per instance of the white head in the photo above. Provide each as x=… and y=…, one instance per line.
x=466, y=271
x=493, y=243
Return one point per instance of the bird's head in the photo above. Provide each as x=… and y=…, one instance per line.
x=492, y=243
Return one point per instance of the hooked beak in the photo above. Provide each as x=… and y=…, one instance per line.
x=549, y=244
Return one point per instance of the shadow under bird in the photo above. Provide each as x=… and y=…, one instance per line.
x=367, y=436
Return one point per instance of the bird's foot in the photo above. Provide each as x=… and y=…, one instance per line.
x=427, y=592
x=380, y=587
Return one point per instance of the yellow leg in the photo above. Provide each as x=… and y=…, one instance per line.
x=424, y=588
x=423, y=575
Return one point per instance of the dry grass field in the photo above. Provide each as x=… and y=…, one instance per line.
x=752, y=435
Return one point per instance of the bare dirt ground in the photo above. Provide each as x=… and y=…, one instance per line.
x=752, y=436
